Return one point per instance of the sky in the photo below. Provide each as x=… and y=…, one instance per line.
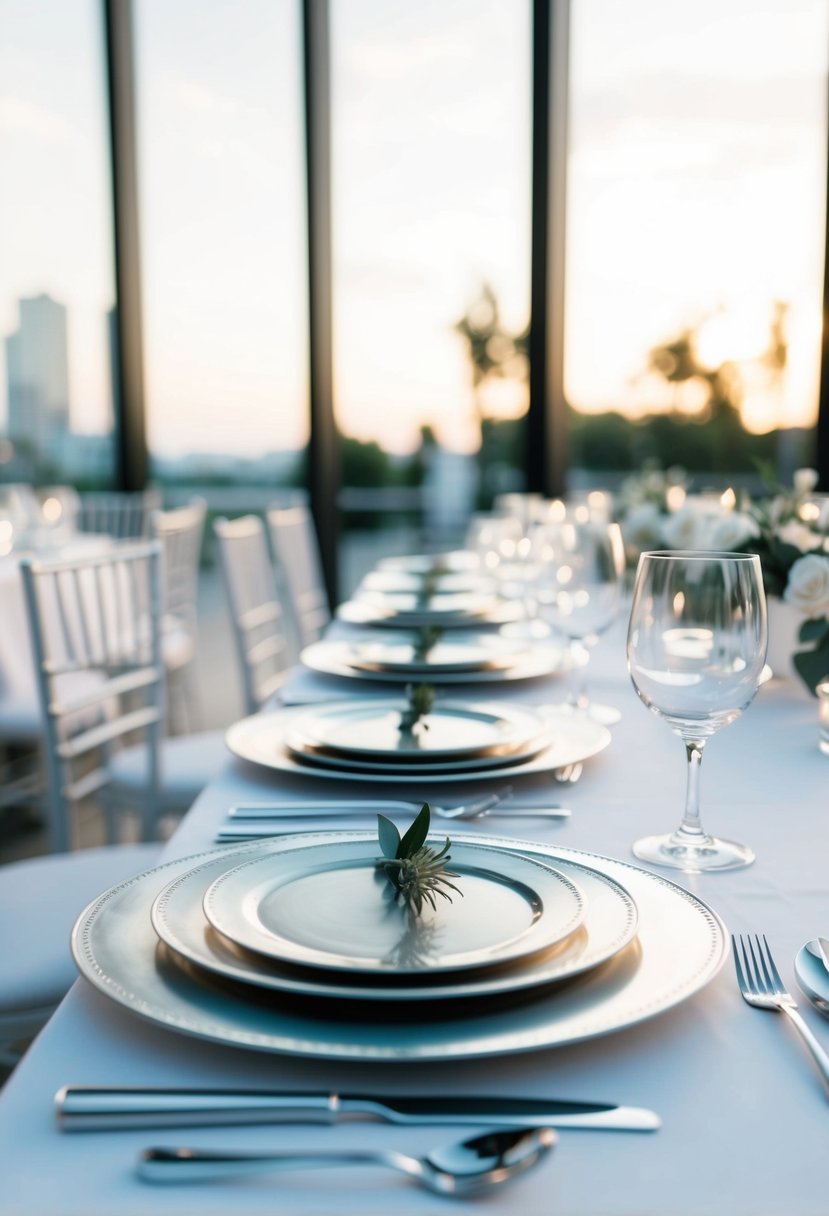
x=696, y=189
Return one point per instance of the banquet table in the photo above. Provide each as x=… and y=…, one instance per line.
x=744, y=1113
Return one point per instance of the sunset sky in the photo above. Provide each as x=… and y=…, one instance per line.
x=696, y=190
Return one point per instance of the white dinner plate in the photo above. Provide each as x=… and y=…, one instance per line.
x=448, y=611
x=432, y=563
x=443, y=581
x=329, y=907
x=261, y=739
x=179, y=920
x=338, y=659
x=369, y=730
x=680, y=946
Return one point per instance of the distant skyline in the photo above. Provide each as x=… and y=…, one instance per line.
x=696, y=189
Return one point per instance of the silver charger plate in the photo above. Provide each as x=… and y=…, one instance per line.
x=117, y=951
x=370, y=730
x=337, y=659
x=328, y=907
x=261, y=739
x=179, y=920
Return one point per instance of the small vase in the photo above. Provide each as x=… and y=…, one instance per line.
x=784, y=627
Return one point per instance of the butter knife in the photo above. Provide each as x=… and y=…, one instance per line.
x=87, y=1108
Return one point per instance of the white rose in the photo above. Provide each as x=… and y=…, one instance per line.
x=732, y=530
x=808, y=585
x=799, y=535
x=642, y=528
x=805, y=480
x=685, y=529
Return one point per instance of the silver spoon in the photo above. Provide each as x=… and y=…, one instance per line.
x=812, y=975
x=462, y=1168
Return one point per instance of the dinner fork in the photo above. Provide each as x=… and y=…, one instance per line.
x=568, y=774
x=762, y=987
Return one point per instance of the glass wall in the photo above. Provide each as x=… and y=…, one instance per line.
x=695, y=227
x=56, y=266
x=431, y=112
x=224, y=251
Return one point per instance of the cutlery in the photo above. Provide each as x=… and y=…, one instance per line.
x=471, y=810
x=812, y=976
x=466, y=1167
x=819, y=947
x=762, y=987
x=90, y=1108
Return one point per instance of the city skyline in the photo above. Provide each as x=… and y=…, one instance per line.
x=696, y=194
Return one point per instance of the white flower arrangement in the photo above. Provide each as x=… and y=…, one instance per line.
x=787, y=529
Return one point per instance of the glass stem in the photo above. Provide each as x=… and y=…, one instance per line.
x=690, y=830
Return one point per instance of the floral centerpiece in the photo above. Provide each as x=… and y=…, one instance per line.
x=792, y=542
x=787, y=528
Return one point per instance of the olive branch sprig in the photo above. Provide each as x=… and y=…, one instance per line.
x=417, y=871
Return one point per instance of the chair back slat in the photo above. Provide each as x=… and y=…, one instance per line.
x=255, y=610
x=296, y=549
x=95, y=627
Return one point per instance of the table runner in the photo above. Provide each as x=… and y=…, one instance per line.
x=744, y=1113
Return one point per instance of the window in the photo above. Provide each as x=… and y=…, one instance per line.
x=56, y=268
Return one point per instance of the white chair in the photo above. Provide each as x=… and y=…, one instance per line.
x=180, y=533
x=126, y=516
x=42, y=899
x=95, y=626
x=296, y=549
x=255, y=609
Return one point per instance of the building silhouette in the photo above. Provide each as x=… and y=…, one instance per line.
x=38, y=376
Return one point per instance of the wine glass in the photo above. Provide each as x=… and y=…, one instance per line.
x=581, y=564
x=696, y=648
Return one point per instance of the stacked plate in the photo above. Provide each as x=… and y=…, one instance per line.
x=457, y=657
x=364, y=740
x=448, y=610
x=296, y=944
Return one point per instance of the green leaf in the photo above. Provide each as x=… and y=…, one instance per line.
x=416, y=834
x=813, y=631
x=389, y=836
x=813, y=665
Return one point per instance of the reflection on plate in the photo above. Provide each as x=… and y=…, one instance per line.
x=337, y=659
x=262, y=738
x=118, y=952
x=179, y=920
x=370, y=730
x=330, y=907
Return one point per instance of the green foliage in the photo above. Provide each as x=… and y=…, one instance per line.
x=416, y=871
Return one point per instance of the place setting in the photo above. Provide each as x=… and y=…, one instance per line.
x=389, y=946
x=429, y=605
x=415, y=736
x=430, y=652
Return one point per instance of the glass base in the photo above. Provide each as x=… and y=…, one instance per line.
x=605, y=715
x=532, y=630
x=711, y=854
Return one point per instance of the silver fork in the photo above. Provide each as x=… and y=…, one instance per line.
x=762, y=987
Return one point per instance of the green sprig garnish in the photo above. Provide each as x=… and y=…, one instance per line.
x=417, y=872
x=427, y=638
x=421, y=699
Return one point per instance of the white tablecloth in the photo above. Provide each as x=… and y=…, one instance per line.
x=745, y=1117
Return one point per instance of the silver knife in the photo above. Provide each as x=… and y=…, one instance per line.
x=86, y=1108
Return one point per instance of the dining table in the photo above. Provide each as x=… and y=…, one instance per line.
x=743, y=1112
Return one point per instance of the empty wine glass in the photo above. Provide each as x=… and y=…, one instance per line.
x=696, y=648
x=580, y=583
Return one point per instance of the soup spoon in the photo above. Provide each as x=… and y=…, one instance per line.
x=812, y=976
x=462, y=1168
